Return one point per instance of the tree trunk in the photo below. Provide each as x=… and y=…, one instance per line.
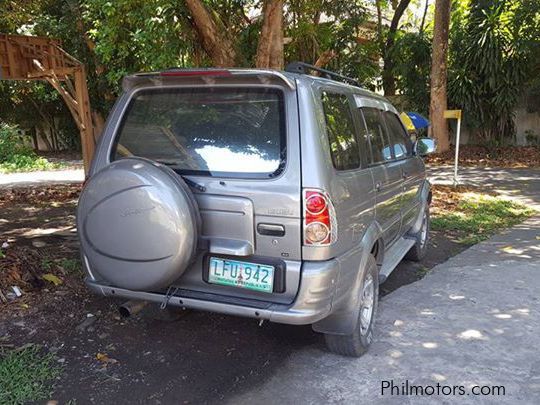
x=389, y=81
x=216, y=44
x=44, y=137
x=35, y=139
x=379, y=24
x=423, y=22
x=325, y=58
x=438, y=101
x=99, y=123
x=270, y=48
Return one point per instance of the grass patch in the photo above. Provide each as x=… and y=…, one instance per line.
x=472, y=217
x=71, y=266
x=422, y=271
x=26, y=375
x=27, y=163
x=17, y=156
x=64, y=265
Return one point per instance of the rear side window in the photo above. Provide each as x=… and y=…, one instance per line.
x=377, y=136
x=340, y=131
x=398, y=136
x=210, y=131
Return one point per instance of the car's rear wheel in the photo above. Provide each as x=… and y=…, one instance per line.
x=358, y=342
x=420, y=247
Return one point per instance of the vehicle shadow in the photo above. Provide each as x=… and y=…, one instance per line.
x=200, y=358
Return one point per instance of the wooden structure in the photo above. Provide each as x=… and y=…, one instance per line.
x=41, y=58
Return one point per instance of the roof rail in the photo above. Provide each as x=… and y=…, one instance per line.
x=303, y=68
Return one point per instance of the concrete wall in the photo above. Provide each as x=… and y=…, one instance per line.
x=527, y=126
x=526, y=120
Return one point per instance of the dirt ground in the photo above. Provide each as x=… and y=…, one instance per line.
x=155, y=357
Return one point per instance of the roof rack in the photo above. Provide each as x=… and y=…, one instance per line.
x=303, y=68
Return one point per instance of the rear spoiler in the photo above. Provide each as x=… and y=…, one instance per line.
x=206, y=76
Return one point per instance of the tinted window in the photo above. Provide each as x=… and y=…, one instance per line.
x=398, y=135
x=229, y=132
x=377, y=136
x=340, y=131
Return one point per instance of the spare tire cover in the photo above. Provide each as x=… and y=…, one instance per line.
x=138, y=224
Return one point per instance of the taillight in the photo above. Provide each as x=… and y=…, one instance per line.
x=320, y=228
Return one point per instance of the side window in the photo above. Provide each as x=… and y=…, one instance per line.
x=340, y=130
x=398, y=136
x=377, y=136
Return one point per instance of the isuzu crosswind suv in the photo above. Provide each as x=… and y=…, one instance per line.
x=275, y=195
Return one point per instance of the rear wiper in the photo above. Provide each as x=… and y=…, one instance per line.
x=193, y=184
x=189, y=182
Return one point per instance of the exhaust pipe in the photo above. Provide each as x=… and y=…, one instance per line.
x=129, y=308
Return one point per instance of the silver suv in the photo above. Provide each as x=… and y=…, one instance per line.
x=279, y=196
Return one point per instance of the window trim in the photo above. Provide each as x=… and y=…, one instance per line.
x=408, y=149
x=284, y=135
x=332, y=90
x=372, y=163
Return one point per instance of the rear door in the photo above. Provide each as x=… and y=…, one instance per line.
x=239, y=143
x=412, y=169
x=351, y=182
x=387, y=174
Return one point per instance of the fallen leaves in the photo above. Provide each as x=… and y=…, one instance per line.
x=30, y=269
x=21, y=266
x=469, y=214
x=471, y=155
x=52, y=279
x=104, y=358
x=53, y=195
x=447, y=198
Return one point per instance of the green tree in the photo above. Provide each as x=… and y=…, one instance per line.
x=439, y=74
x=494, y=54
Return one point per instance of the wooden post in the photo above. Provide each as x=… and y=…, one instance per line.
x=40, y=58
x=88, y=140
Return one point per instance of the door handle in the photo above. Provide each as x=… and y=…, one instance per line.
x=271, y=229
x=405, y=175
x=378, y=186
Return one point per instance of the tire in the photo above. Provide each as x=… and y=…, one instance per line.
x=357, y=343
x=419, y=249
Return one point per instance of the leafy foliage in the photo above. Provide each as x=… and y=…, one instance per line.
x=492, y=47
x=138, y=35
x=318, y=26
x=494, y=51
x=16, y=156
x=413, y=61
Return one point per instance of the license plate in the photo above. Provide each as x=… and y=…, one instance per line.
x=252, y=276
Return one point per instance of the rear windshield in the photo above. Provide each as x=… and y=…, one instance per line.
x=236, y=132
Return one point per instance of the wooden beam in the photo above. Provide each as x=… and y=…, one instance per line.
x=88, y=140
x=70, y=101
x=40, y=75
x=40, y=58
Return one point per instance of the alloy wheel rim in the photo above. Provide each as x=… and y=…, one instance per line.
x=366, y=309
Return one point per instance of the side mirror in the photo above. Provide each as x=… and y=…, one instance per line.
x=424, y=146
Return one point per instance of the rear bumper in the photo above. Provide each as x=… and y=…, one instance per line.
x=313, y=301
